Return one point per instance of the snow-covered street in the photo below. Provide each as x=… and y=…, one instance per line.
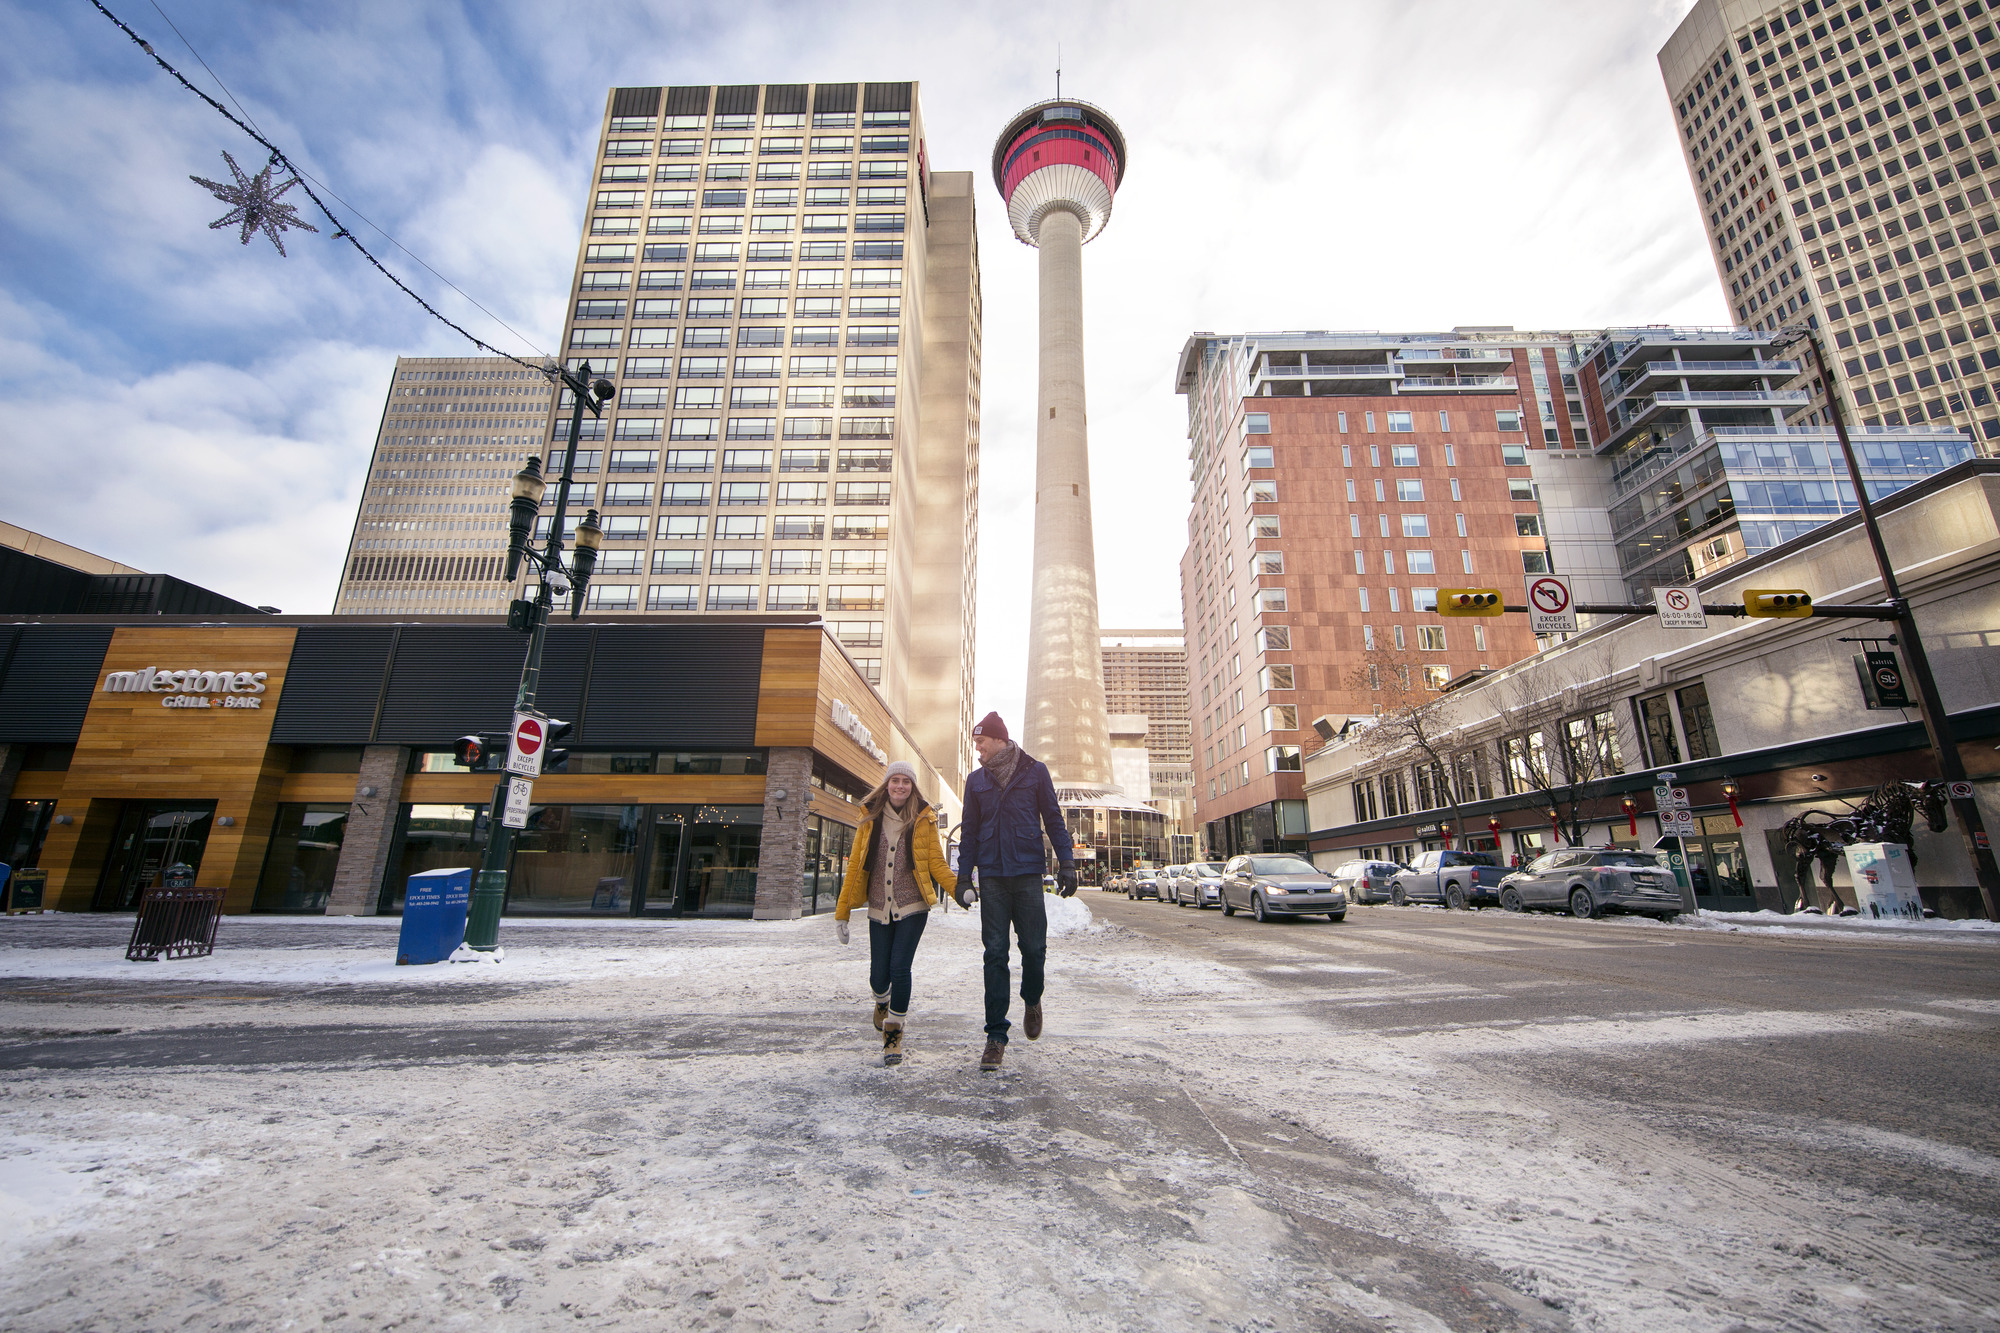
x=1414, y=1120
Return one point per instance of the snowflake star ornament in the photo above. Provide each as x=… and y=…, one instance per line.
x=256, y=204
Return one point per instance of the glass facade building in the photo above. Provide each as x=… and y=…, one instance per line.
x=1704, y=469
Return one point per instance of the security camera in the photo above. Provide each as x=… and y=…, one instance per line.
x=558, y=583
x=1819, y=777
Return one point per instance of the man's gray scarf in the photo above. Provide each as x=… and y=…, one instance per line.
x=1001, y=765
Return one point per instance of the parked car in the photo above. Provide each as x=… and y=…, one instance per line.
x=1199, y=885
x=1114, y=883
x=1144, y=884
x=1591, y=883
x=1169, y=877
x=1271, y=886
x=1367, y=881
x=1456, y=879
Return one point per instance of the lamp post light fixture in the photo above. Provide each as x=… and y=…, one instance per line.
x=554, y=576
x=1930, y=703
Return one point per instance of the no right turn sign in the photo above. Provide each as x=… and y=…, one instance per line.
x=1679, y=608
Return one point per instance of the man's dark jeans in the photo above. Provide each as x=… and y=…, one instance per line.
x=1015, y=900
x=892, y=947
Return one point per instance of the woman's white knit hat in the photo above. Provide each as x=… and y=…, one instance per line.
x=903, y=766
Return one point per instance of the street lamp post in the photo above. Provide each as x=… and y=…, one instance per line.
x=1930, y=704
x=489, y=892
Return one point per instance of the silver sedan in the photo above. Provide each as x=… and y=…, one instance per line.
x=1591, y=882
x=1199, y=885
x=1274, y=886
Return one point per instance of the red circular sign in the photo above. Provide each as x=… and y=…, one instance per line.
x=1677, y=600
x=1549, y=596
x=528, y=736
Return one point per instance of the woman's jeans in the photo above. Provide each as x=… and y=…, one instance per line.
x=891, y=948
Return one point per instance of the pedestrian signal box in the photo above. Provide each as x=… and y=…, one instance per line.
x=1782, y=602
x=471, y=751
x=1469, y=602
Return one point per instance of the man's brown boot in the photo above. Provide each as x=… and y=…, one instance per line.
x=996, y=1051
x=1031, y=1021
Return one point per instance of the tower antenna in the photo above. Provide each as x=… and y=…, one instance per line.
x=1059, y=71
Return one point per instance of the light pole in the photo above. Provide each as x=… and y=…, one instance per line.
x=1930, y=704
x=489, y=890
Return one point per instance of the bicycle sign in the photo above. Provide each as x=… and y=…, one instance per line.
x=1679, y=608
x=1551, y=609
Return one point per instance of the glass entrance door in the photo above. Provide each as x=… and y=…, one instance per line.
x=152, y=836
x=663, y=871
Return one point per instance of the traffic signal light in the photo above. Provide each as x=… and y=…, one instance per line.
x=1469, y=602
x=472, y=751
x=552, y=757
x=1782, y=602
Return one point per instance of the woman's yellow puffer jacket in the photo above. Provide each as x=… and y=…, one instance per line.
x=924, y=851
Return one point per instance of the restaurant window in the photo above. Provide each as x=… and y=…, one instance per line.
x=22, y=830
x=575, y=858
x=326, y=759
x=300, y=861
x=433, y=837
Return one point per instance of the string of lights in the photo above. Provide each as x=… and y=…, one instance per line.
x=341, y=230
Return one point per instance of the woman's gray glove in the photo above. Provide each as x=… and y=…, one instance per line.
x=840, y=930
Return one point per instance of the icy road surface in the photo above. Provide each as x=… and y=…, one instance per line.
x=1414, y=1120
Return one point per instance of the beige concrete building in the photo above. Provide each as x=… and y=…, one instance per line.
x=1146, y=697
x=431, y=530
x=1844, y=160
x=787, y=297
x=1057, y=165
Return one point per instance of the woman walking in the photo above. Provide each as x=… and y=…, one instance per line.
x=894, y=865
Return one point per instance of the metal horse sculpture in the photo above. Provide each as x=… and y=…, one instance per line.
x=1888, y=815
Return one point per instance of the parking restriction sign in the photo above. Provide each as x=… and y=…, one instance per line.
x=1679, y=608
x=1551, y=609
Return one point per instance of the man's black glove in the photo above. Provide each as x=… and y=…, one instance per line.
x=1066, y=881
x=966, y=895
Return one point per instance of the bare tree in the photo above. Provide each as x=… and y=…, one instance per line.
x=1560, y=735
x=1415, y=722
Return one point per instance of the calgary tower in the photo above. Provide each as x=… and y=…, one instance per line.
x=1058, y=164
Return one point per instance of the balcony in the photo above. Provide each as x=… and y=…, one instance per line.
x=1458, y=354
x=1377, y=371
x=1732, y=396
x=1632, y=377
x=1468, y=384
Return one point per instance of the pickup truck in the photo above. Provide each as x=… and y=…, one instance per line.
x=1456, y=879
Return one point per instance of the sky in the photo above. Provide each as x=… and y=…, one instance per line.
x=188, y=405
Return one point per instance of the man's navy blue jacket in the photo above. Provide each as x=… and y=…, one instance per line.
x=1000, y=830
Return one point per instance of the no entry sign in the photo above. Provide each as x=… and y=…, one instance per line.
x=525, y=745
x=1551, y=609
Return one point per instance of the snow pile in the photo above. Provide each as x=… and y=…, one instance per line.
x=1804, y=921
x=1067, y=916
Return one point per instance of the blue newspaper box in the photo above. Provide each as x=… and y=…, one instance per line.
x=434, y=906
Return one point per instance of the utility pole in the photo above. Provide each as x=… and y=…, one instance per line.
x=1930, y=704
x=489, y=889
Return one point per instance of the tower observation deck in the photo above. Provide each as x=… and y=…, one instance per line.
x=1058, y=165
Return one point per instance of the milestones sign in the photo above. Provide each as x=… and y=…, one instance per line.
x=192, y=688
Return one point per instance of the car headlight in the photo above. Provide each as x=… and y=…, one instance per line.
x=1272, y=888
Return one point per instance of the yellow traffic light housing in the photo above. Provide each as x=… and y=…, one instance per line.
x=1788, y=603
x=1469, y=602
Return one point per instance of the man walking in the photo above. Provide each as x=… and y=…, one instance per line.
x=1009, y=802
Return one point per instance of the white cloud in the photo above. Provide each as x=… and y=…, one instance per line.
x=1362, y=165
